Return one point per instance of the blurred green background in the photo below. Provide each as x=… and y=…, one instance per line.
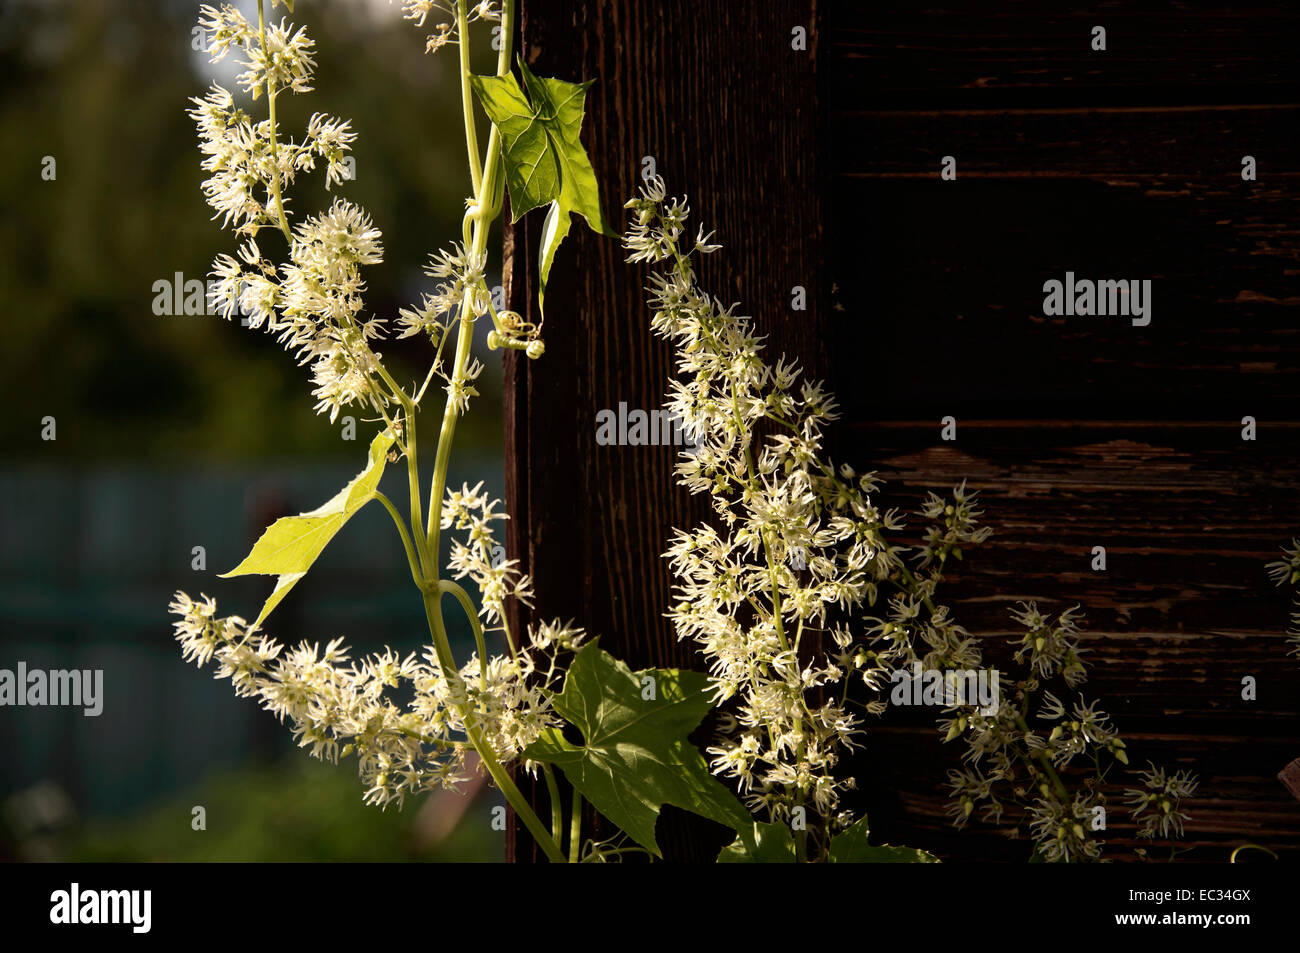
x=183, y=431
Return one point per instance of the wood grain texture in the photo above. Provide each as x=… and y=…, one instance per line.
x=1027, y=52
x=1084, y=431
x=820, y=169
x=954, y=271
x=1189, y=514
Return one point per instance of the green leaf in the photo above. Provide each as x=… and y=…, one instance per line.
x=851, y=847
x=541, y=145
x=291, y=544
x=765, y=844
x=635, y=755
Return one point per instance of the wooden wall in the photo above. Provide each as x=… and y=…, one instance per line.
x=821, y=168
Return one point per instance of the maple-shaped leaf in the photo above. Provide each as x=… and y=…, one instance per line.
x=635, y=756
x=774, y=844
x=542, y=149
x=851, y=847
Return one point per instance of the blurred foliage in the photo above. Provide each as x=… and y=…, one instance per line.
x=298, y=809
x=102, y=86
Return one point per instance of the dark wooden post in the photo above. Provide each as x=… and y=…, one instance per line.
x=716, y=94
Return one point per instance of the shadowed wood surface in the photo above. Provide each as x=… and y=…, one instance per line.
x=1084, y=431
x=1022, y=52
x=925, y=299
x=1182, y=613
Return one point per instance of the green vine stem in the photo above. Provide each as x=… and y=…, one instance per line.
x=1232, y=858
x=575, y=828
x=270, y=110
x=249, y=186
x=427, y=537
x=557, y=810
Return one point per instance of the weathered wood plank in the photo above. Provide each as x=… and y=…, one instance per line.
x=899, y=56
x=952, y=272
x=1188, y=514
x=1122, y=164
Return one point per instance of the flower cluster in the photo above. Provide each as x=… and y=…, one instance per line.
x=798, y=543
x=1009, y=762
x=247, y=162
x=1286, y=572
x=338, y=708
x=478, y=556
x=1157, y=804
x=494, y=706
x=1061, y=826
x=1006, y=762
x=769, y=592
x=444, y=12
x=914, y=629
x=1048, y=648
x=314, y=301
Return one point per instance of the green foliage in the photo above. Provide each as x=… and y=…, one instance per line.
x=774, y=844
x=543, y=154
x=767, y=844
x=851, y=847
x=297, y=810
x=85, y=250
x=292, y=543
x=635, y=756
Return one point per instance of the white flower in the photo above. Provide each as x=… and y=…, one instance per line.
x=478, y=556
x=286, y=62
x=328, y=138
x=337, y=708
x=460, y=389
x=223, y=27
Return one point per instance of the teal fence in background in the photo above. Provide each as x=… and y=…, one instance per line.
x=89, y=560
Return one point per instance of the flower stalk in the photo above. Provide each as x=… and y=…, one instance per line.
x=494, y=706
